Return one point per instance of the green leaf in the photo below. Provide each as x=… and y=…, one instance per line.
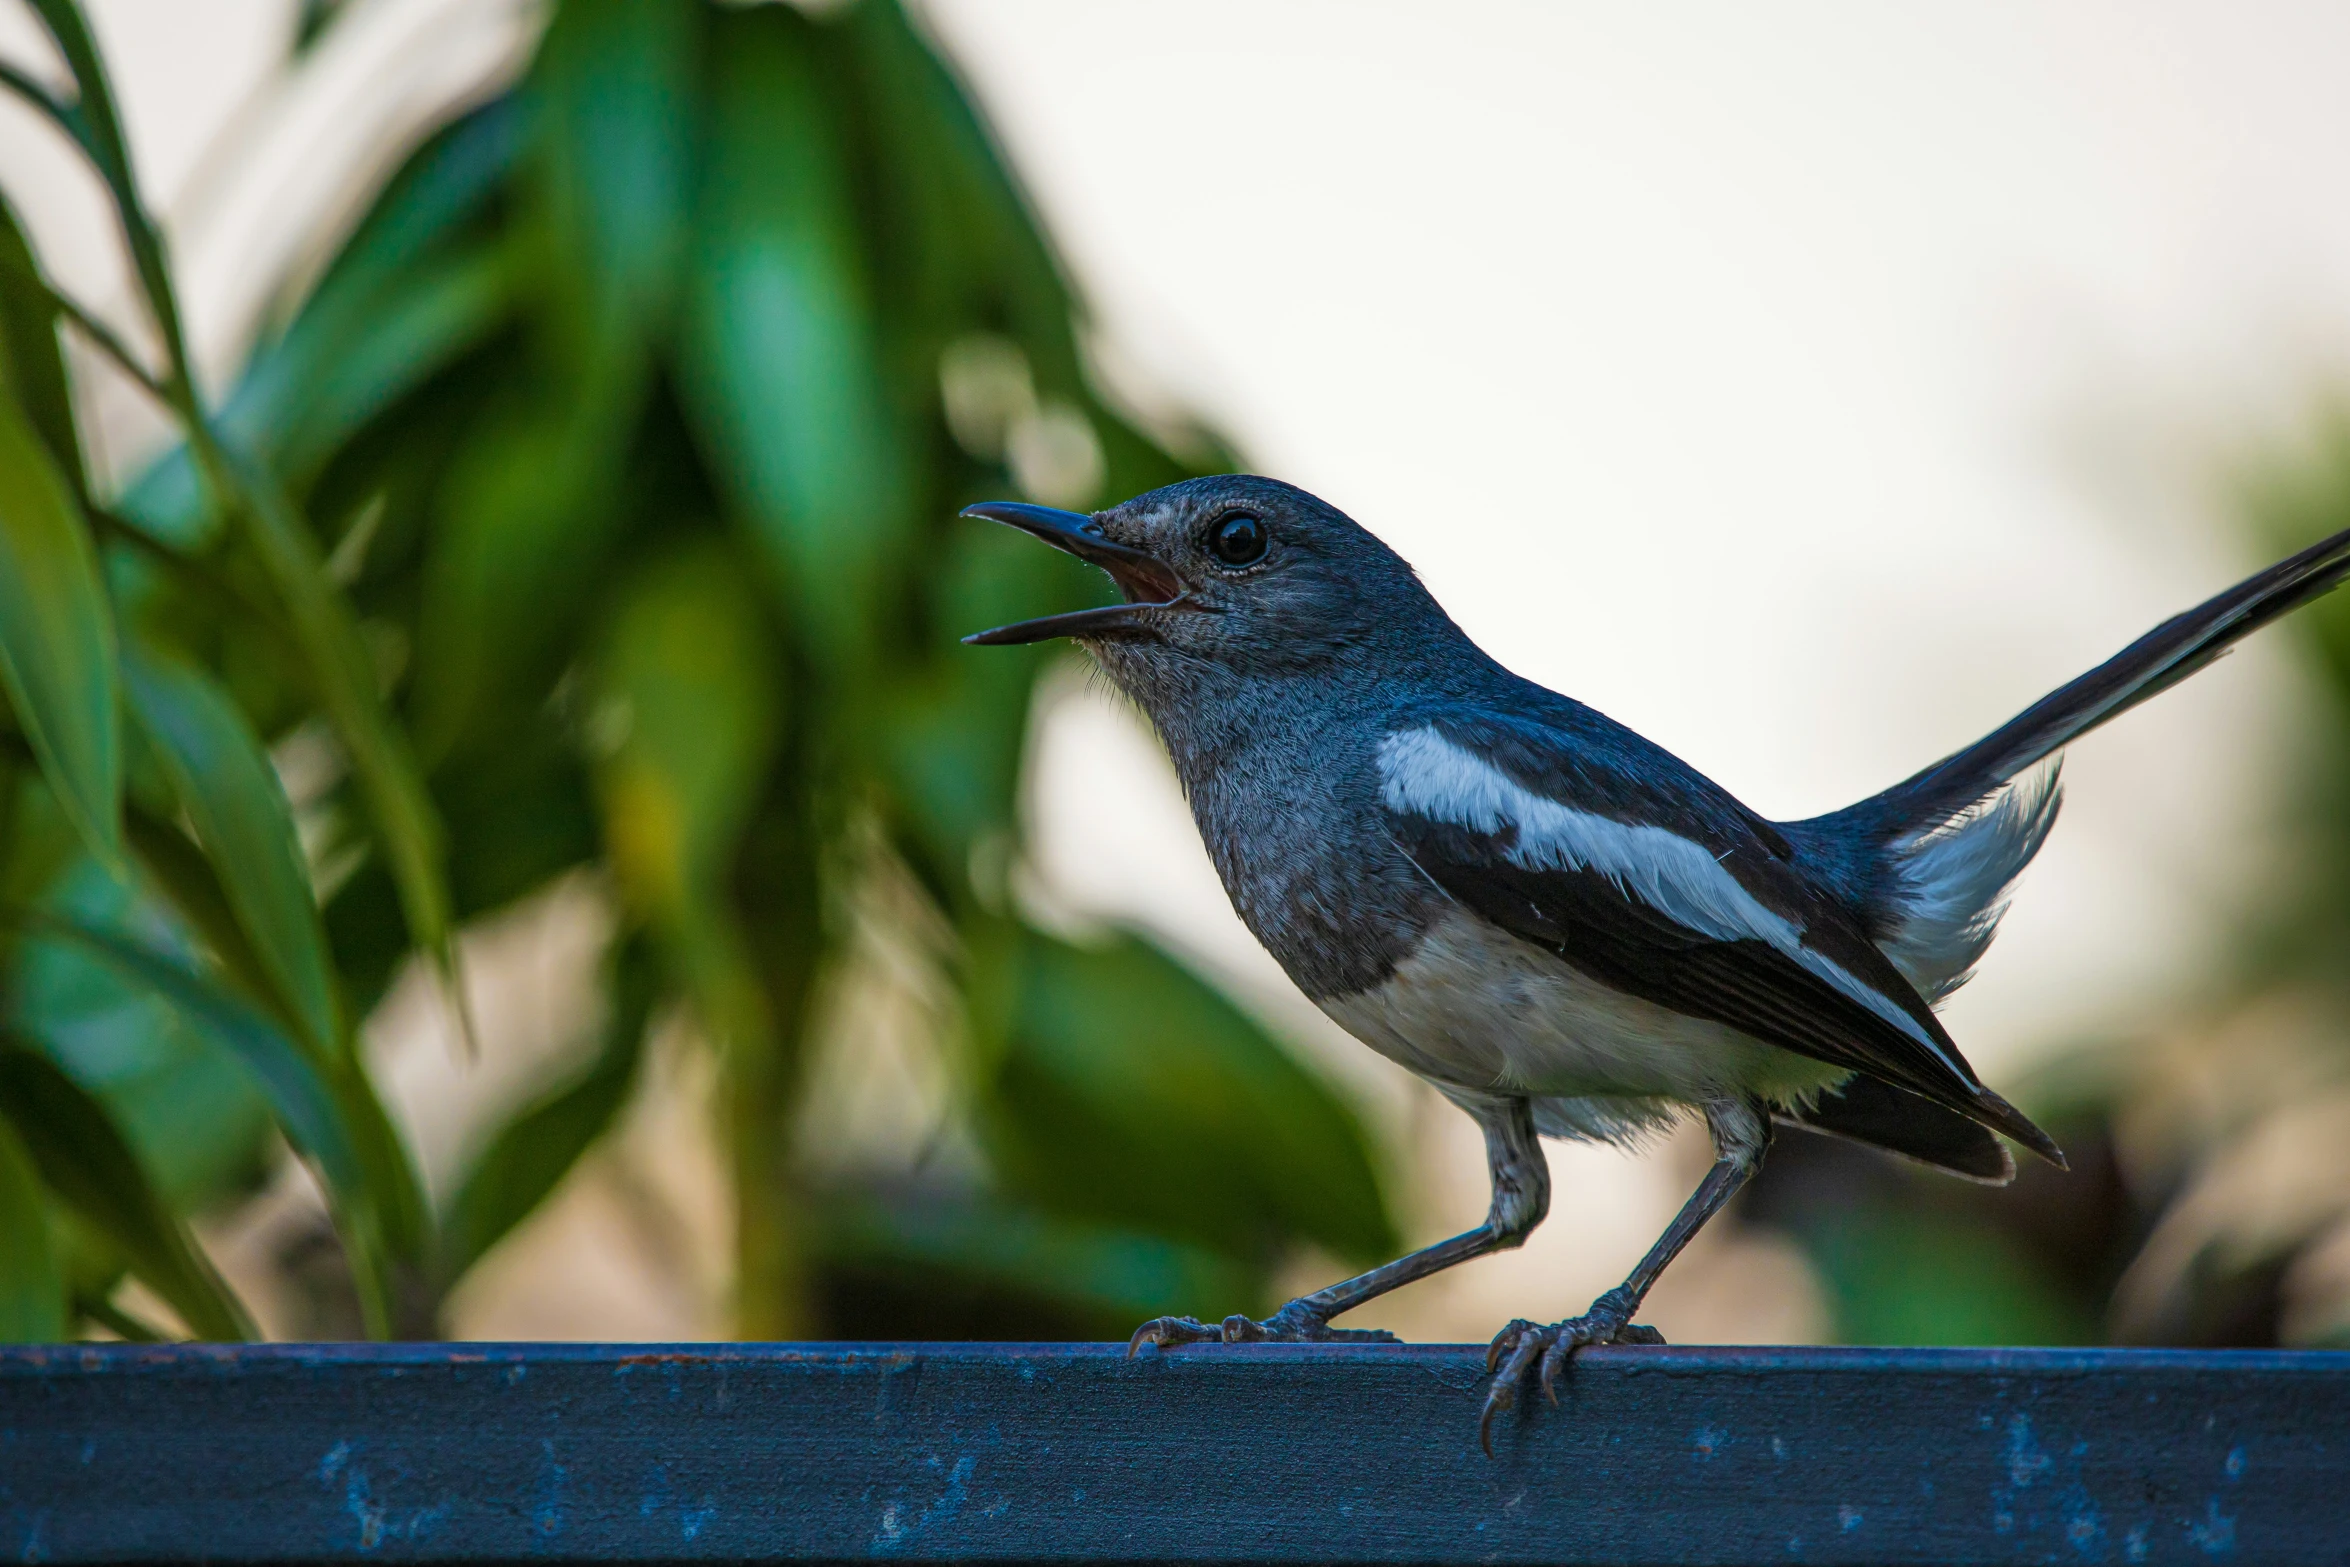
x=178, y=870
x=343, y=671
x=528, y=516
x=781, y=363
x=98, y=128
x=85, y=1161
x=530, y=1156
x=297, y=1085
x=532, y=504
x=313, y=22
x=963, y=256
x=613, y=89
x=32, y=1277
x=968, y=254
x=57, y=651
x=338, y=659
x=31, y=366
x=422, y=282
x=1134, y=1093
x=190, y=1109
x=520, y=813
x=972, y=257
x=346, y=360
x=331, y=1118
x=689, y=702
x=413, y=290
x=225, y=783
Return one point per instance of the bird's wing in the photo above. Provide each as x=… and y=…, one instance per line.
x=1661, y=886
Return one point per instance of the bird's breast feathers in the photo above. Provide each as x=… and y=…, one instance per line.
x=1476, y=1008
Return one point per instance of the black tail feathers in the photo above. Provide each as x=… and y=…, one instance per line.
x=2153, y=664
x=1931, y=879
x=1866, y=1110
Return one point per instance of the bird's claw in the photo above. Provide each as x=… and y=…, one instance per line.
x=1518, y=1347
x=1172, y=1333
x=1289, y=1325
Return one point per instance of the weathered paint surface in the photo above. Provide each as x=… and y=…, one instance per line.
x=1267, y=1452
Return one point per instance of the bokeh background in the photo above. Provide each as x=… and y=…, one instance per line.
x=1809, y=390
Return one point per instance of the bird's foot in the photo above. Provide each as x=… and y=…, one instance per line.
x=1516, y=1349
x=1295, y=1323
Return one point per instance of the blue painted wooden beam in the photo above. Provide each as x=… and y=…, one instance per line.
x=558, y=1452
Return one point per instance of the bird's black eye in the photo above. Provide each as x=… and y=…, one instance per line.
x=1238, y=540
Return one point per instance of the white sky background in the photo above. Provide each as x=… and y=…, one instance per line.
x=1809, y=387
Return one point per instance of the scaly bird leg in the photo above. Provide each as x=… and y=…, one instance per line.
x=1521, y=1196
x=1742, y=1135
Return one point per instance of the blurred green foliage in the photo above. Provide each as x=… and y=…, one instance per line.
x=2209, y=1200
x=596, y=510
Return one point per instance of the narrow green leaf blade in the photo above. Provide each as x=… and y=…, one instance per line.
x=422, y=281
x=339, y=662
x=225, y=783
x=415, y=289
x=85, y=1161
x=178, y=871
x=299, y=1090
x=956, y=726
x=102, y=137
x=530, y=511
x=330, y=1116
x=347, y=360
x=530, y=1157
x=406, y=822
x=30, y=364
x=781, y=361
x=32, y=1277
x=612, y=90
x=57, y=650
x=979, y=261
x=188, y=1106
x=534, y=502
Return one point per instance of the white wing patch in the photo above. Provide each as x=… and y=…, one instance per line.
x=1426, y=775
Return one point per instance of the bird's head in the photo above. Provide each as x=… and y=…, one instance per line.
x=1247, y=573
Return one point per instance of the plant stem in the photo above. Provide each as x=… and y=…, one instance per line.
x=119, y=1322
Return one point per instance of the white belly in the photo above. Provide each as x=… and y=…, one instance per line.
x=1476, y=1008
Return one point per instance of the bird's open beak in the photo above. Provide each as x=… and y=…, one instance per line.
x=1148, y=582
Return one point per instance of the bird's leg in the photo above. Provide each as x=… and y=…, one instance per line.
x=1521, y=1196
x=1742, y=1135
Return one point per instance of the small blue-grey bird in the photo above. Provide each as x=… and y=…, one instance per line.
x=1567, y=930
